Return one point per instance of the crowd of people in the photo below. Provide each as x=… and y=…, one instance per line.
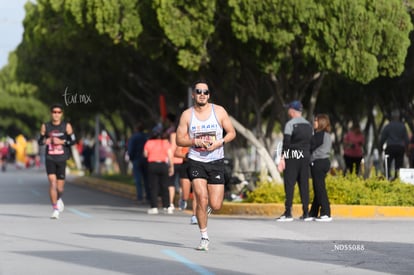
x=304, y=145
x=181, y=160
x=394, y=143
x=159, y=168
x=22, y=152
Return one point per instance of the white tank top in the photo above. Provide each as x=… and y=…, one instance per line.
x=209, y=129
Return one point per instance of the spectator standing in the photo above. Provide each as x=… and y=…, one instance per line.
x=32, y=152
x=411, y=151
x=185, y=183
x=20, y=150
x=159, y=155
x=395, y=136
x=295, y=160
x=139, y=162
x=321, y=145
x=353, y=144
x=4, y=153
x=87, y=155
x=174, y=179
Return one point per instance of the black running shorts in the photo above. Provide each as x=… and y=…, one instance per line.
x=182, y=170
x=212, y=171
x=57, y=168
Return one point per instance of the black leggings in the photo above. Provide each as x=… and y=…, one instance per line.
x=352, y=164
x=395, y=153
x=158, y=182
x=319, y=169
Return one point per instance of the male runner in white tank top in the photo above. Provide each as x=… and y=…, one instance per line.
x=201, y=128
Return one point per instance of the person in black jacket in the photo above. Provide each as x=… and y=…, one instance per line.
x=321, y=145
x=139, y=162
x=396, y=137
x=295, y=160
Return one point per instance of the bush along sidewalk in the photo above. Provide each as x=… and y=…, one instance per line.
x=269, y=197
x=349, y=190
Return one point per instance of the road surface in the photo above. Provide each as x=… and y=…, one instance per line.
x=103, y=234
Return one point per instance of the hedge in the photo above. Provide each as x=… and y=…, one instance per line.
x=349, y=189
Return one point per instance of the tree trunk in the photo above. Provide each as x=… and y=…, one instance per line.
x=315, y=93
x=270, y=165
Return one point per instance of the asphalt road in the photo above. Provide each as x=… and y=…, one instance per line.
x=104, y=234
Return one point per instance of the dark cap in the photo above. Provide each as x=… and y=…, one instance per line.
x=157, y=131
x=56, y=105
x=296, y=105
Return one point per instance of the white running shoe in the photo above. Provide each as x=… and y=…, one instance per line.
x=152, y=211
x=324, y=218
x=203, y=246
x=194, y=220
x=284, y=218
x=60, y=205
x=55, y=214
x=170, y=209
x=306, y=218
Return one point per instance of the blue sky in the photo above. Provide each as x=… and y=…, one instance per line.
x=11, y=27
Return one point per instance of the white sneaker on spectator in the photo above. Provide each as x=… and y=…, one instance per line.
x=306, y=218
x=284, y=218
x=324, y=218
x=152, y=211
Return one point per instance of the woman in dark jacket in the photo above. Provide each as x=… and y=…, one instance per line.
x=321, y=145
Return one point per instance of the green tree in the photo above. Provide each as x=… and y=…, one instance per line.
x=20, y=109
x=307, y=39
x=74, y=52
x=257, y=54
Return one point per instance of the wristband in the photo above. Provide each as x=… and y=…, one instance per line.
x=41, y=140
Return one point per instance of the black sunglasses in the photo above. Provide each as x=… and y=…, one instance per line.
x=200, y=91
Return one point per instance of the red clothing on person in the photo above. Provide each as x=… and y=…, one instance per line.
x=157, y=150
x=353, y=144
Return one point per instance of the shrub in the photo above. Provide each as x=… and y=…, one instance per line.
x=349, y=189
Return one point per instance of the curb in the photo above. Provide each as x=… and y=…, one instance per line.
x=339, y=211
x=258, y=209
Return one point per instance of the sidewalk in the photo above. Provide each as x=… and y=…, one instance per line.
x=256, y=209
